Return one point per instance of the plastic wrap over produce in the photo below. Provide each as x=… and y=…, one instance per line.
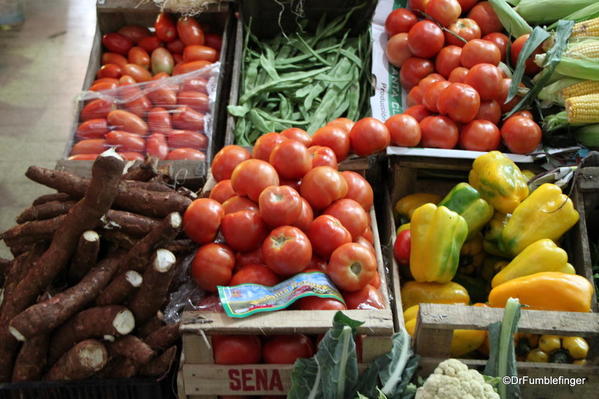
x=169, y=118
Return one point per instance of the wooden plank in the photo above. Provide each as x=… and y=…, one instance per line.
x=431, y=340
x=374, y=346
x=149, y=6
x=451, y=317
x=197, y=349
x=388, y=237
x=378, y=322
x=588, y=178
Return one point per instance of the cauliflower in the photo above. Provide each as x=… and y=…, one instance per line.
x=452, y=379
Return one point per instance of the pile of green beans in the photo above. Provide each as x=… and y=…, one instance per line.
x=302, y=80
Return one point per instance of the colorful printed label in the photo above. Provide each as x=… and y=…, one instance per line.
x=246, y=299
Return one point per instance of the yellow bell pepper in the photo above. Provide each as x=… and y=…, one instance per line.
x=529, y=174
x=405, y=226
x=493, y=234
x=499, y=181
x=549, y=343
x=491, y=266
x=462, y=341
x=415, y=292
x=472, y=255
x=466, y=202
x=537, y=355
x=408, y=204
x=546, y=213
x=546, y=291
x=437, y=238
x=540, y=256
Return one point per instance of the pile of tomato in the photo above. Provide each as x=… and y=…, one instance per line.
x=165, y=119
x=456, y=91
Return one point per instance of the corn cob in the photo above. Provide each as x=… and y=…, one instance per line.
x=583, y=109
x=584, y=49
x=581, y=89
x=586, y=28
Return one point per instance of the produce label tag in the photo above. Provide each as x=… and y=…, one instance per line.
x=246, y=299
x=388, y=98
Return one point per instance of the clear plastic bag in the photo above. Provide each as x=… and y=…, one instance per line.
x=167, y=117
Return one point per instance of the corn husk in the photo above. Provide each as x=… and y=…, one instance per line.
x=548, y=11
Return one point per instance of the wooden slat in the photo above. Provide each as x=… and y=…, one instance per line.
x=378, y=322
x=588, y=179
x=451, y=317
x=145, y=5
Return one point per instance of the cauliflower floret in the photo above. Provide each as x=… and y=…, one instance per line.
x=452, y=379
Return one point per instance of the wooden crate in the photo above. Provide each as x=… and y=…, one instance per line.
x=201, y=378
x=114, y=14
x=433, y=337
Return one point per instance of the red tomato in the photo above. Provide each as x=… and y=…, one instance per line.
x=480, y=135
x=162, y=61
x=291, y=159
x=306, y=216
x=187, y=139
x=447, y=60
x=431, y=95
x=226, y=160
x=236, y=349
x=297, y=134
x=90, y=146
x=444, y=12
x=486, y=79
x=255, y=274
x=157, y=146
x=322, y=156
x=116, y=43
x=139, y=56
x=322, y=186
x=249, y=258
x=415, y=96
x=279, y=205
x=187, y=119
x=418, y=112
x=265, y=144
x=213, y=40
x=186, y=67
x=425, y=39
x=96, y=109
x=126, y=142
x=466, y=28
x=485, y=17
x=368, y=235
x=367, y=298
x=334, y=137
x=175, y=47
x=344, y=123
x=502, y=96
x=358, y=189
x=327, y=234
x=113, y=58
x=222, y=191
x=458, y=75
x=139, y=73
x=399, y=20
x=286, y=349
x=134, y=32
x=92, y=129
x=139, y=106
x=202, y=219
x=351, y=215
x=188, y=154
x=401, y=247
x=521, y=134
x=162, y=96
x=413, y=70
x=165, y=27
x=526, y=114
x=105, y=80
x=369, y=136
x=190, y=32
x=252, y=176
x=287, y=250
x=159, y=120
x=243, y=230
x=127, y=121
x=212, y=266
x=418, y=5
x=237, y=203
x=531, y=68
x=467, y=4
x=317, y=303
x=500, y=41
x=199, y=53
x=404, y=130
x=376, y=280
x=110, y=71
x=460, y=102
x=397, y=50
x=131, y=156
x=351, y=266
x=489, y=111
x=103, y=86
x=427, y=81
x=480, y=51
x=439, y=132
x=194, y=84
x=149, y=43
